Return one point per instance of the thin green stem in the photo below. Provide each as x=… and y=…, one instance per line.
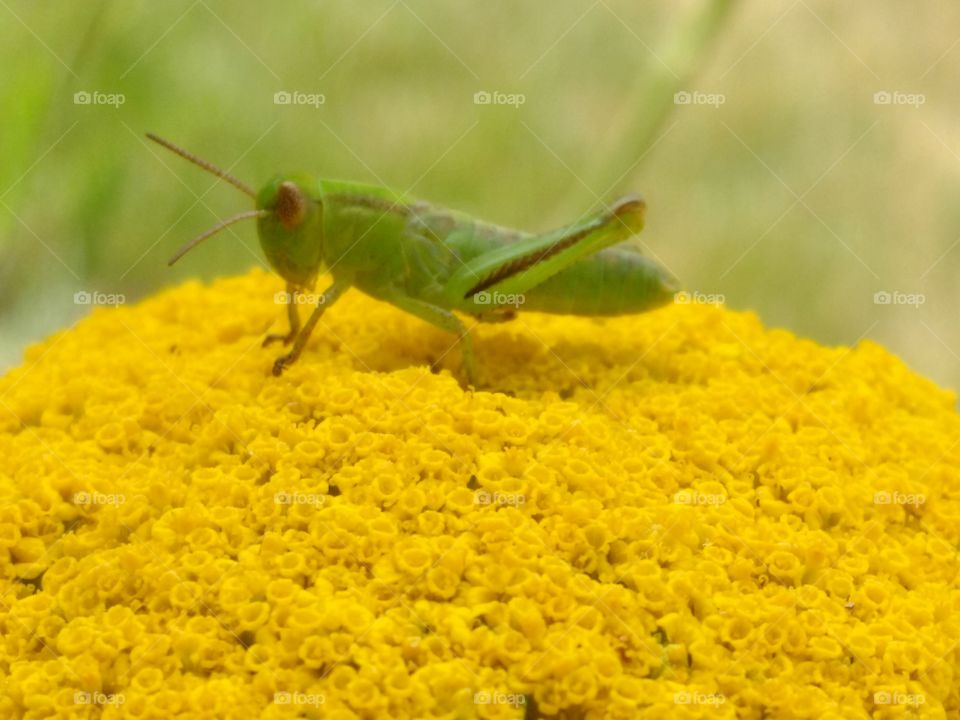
x=675, y=70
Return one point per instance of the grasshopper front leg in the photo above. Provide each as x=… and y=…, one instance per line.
x=323, y=302
x=293, y=315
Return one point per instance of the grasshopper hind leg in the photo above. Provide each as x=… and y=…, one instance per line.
x=516, y=268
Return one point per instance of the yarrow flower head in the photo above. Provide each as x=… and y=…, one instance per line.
x=675, y=514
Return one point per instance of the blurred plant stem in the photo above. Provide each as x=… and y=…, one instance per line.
x=674, y=69
x=30, y=131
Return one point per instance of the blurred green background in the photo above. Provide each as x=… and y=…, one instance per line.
x=796, y=192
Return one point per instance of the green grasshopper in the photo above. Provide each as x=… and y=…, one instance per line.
x=431, y=261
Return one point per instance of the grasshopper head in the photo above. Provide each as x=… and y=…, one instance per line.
x=291, y=227
x=289, y=217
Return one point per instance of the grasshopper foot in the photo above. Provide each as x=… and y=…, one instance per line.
x=286, y=339
x=470, y=371
x=282, y=362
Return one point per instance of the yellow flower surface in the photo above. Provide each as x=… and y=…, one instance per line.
x=678, y=514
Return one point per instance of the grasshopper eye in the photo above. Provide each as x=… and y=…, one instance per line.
x=291, y=206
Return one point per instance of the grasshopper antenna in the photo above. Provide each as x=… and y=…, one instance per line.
x=214, y=230
x=209, y=167
x=224, y=175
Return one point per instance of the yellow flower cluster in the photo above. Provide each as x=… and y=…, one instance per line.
x=678, y=514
